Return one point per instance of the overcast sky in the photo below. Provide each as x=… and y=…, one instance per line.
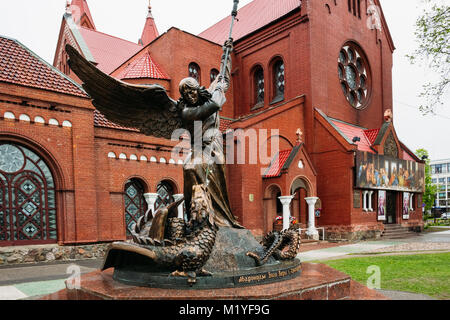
x=36, y=24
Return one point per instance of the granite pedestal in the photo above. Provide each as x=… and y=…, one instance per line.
x=316, y=282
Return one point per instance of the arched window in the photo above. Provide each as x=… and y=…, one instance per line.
x=279, y=81
x=258, y=86
x=194, y=71
x=213, y=75
x=27, y=198
x=165, y=192
x=135, y=204
x=354, y=6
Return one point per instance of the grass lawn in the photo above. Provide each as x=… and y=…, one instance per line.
x=423, y=273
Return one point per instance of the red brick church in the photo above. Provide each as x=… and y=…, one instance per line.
x=319, y=72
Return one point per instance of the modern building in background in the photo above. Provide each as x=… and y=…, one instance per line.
x=440, y=175
x=317, y=72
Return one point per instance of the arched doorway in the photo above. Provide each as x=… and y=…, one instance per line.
x=272, y=206
x=27, y=197
x=135, y=204
x=300, y=189
x=165, y=191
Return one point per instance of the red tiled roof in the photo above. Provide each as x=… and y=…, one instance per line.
x=101, y=121
x=368, y=137
x=109, y=52
x=145, y=67
x=351, y=131
x=277, y=164
x=225, y=124
x=252, y=17
x=21, y=66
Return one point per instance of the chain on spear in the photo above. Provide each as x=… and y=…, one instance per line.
x=224, y=64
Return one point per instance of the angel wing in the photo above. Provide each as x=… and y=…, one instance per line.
x=147, y=108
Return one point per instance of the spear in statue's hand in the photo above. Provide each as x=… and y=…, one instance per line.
x=227, y=52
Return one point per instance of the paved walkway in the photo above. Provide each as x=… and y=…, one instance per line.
x=325, y=254
x=31, y=281
x=26, y=281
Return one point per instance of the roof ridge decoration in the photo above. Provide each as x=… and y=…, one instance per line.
x=149, y=10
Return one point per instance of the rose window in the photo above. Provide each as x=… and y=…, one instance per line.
x=354, y=76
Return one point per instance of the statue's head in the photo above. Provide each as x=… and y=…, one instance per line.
x=189, y=90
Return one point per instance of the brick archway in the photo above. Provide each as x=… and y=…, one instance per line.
x=301, y=189
x=272, y=206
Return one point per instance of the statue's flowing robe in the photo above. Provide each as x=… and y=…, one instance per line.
x=206, y=163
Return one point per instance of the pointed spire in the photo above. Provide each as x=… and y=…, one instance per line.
x=81, y=14
x=68, y=11
x=150, y=31
x=149, y=10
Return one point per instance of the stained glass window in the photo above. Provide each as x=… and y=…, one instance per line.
x=350, y=75
x=194, y=71
x=11, y=158
x=279, y=80
x=354, y=75
x=165, y=194
x=258, y=76
x=213, y=75
x=27, y=197
x=135, y=204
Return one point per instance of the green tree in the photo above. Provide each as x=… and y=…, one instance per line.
x=431, y=189
x=433, y=36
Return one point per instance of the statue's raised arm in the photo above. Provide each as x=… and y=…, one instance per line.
x=147, y=108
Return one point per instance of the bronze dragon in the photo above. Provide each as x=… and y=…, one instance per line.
x=173, y=244
x=282, y=245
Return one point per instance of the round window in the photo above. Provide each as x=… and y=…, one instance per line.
x=354, y=76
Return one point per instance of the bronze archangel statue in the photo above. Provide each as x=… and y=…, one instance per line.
x=149, y=109
x=162, y=242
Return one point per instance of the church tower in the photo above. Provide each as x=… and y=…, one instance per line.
x=150, y=31
x=81, y=14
